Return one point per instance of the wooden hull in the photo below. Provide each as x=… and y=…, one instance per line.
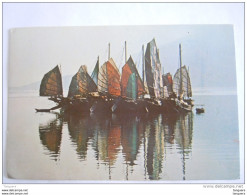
x=190, y=102
x=169, y=106
x=183, y=107
x=200, y=110
x=153, y=106
x=119, y=105
x=130, y=106
x=101, y=106
x=42, y=110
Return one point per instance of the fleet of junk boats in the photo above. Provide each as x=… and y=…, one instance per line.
x=107, y=91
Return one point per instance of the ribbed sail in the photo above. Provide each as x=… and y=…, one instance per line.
x=51, y=84
x=81, y=83
x=109, y=79
x=102, y=79
x=129, y=70
x=153, y=70
x=95, y=73
x=182, y=86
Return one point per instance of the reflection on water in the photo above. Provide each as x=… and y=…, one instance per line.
x=51, y=135
x=136, y=140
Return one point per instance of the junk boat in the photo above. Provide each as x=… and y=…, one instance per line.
x=109, y=87
x=80, y=89
x=51, y=86
x=182, y=87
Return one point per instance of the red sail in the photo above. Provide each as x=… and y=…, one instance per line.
x=126, y=72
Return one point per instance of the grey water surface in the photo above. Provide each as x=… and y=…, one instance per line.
x=55, y=146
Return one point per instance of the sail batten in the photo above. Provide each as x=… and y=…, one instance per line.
x=51, y=84
x=185, y=89
x=153, y=70
x=81, y=83
x=109, y=79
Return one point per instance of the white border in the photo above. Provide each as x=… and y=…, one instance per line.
x=71, y=14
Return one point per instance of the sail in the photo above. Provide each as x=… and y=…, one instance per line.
x=131, y=89
x=167, y=82
x=131, y=82
x=51, y=84
x=81, y=83
x=95, y=73
x=153, y=70
x=182, y=86
x=109, y=79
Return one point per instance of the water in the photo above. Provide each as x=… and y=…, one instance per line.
x=49, y=146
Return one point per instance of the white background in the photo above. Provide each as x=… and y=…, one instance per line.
x=87, y=14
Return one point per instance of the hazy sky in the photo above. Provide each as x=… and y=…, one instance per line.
x=95, y=14
x=208, y=50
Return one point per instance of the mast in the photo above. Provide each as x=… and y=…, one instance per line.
x=143, y=68
x=187, y=91
x=109, y=51
x=181, y=79
x=125, y=52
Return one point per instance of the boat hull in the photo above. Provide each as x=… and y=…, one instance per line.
x=169, y=106
x=129, y=106
x=153, y=106
x=200, y=110
x=101, y=105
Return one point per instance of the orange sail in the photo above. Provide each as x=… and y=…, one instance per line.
x=109, y=79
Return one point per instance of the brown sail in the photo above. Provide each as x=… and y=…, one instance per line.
x=81, y=83
x=51, y=84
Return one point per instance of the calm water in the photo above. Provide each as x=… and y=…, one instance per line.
x=132, y=148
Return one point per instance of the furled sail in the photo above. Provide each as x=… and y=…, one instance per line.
x=181, y=83
x=153, y=70
x=51, y=84
x=168, y=83
x=131, y=83
x=81, y=83
x=109, y=79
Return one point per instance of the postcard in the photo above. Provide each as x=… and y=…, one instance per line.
x=123, y=104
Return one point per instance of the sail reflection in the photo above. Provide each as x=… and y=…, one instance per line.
x=183, y=137
x=50, y=135
x=131, y=138
x=109, y=138
x=125, y=143
x=79, y=127
x=154, y=140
